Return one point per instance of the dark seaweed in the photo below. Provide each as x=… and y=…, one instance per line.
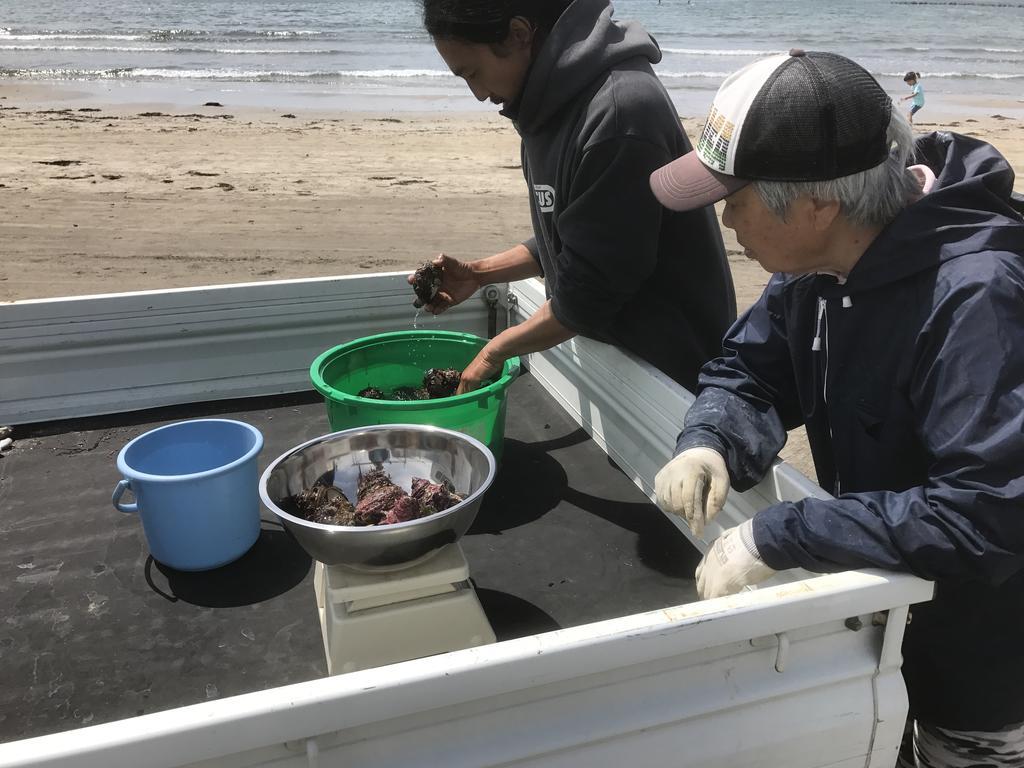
x=378, y=501
x=324, y=503
x=434, y=497
x=376, y=497
x=409, y=393
x=441, y=382
x=437, y=382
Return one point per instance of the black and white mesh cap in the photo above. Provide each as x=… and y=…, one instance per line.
x=801, y=116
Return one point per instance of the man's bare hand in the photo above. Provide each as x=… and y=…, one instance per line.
x=486, y=365
x=458, y=283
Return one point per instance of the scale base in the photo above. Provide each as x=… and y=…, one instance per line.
x=369, y=620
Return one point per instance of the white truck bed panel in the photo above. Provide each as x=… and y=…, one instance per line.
x=89, y=355
x=776, y=676
x=699, y=681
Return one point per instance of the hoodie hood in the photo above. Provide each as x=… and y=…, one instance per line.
x=970, y=209
x=583, y=45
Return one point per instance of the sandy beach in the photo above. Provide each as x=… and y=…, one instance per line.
x=97, y=198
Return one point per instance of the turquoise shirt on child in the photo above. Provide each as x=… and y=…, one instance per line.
x=918, y=93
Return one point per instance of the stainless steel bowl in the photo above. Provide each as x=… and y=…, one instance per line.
x=405, y=451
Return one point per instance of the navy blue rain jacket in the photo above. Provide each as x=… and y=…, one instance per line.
x=914, y=408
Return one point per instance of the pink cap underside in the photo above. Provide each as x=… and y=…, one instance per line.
x=686, y=183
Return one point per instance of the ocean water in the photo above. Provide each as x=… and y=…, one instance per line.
x=369, y=54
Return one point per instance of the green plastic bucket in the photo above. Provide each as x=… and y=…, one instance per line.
x=390, y=360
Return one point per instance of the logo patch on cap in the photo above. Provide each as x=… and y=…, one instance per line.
x=716, y=147
x=713, y=144
x=797, y=116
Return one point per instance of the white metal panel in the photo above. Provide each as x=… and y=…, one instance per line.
x=88, y=355
x=652, y=716
x=635, y=412
x=653, y=686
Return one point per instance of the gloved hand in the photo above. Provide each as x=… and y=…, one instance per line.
x=731, y=564
x=694, y=486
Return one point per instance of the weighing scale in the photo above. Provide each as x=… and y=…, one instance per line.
x=369, y=619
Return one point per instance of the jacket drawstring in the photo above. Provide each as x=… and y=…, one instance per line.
x=816, y=344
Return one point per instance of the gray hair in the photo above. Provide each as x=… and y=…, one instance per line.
x=871, y=198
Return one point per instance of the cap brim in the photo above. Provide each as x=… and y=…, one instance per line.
x=686, y=183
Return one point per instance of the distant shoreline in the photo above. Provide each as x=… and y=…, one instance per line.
x=291, y=97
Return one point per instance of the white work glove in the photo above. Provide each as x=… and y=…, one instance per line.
x=694, y=486
x=731, y=564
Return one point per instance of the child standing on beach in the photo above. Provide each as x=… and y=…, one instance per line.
x=913, y=79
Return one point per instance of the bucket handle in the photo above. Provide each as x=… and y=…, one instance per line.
x=123, y=486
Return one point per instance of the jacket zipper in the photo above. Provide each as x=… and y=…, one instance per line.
x=816, y=346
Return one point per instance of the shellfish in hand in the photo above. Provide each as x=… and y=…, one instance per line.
x=426, y=282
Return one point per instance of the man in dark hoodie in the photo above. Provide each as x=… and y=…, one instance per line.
x=595, y=122
x=894, y=330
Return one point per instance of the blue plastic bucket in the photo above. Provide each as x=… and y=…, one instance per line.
x=196, y=489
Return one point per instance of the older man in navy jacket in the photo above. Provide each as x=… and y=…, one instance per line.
x=893, y=328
